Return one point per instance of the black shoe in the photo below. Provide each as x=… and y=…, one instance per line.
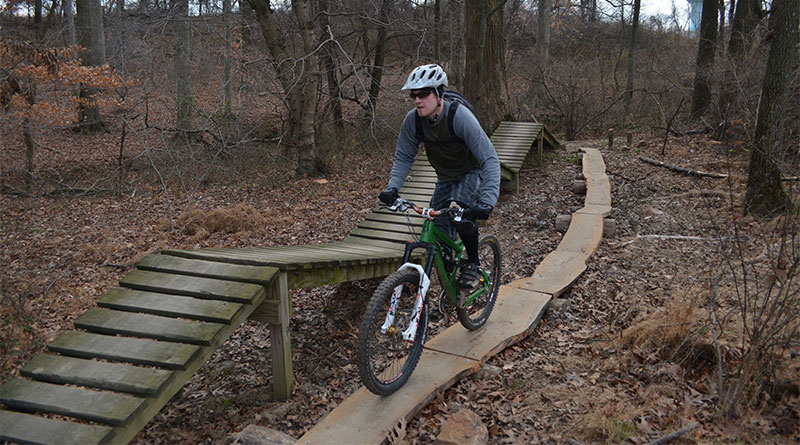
x=470, y=276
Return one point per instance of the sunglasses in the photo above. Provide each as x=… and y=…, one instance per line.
x=422, y=94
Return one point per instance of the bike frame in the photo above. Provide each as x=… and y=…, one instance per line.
x=430, y=239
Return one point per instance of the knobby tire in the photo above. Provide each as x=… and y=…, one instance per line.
x=385, y=360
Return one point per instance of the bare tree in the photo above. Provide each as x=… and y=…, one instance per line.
x=637, y=6
x=485, y=77
x=765, y=194
x=328, y=61
x=701, y=96
x=537, y=91
x=183, y=74
x=89, y=27
x=380, y=54
x=226, y=17
x=456, y=13
x=745, y=20
x=69, y=17
x=299, y=78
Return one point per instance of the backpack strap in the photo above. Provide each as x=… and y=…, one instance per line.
x=419, y=132
x=450, y=116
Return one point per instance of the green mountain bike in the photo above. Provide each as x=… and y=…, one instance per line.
x=395, y=323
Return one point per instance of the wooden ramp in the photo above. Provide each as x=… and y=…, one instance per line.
x=131, y=354
x=457, y=352
x=513, y=141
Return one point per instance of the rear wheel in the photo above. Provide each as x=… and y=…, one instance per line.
x=473, y=312
x=385, y=359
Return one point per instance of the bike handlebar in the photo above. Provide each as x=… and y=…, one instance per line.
x=401, y=205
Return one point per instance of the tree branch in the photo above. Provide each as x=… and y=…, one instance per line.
x=681, y=169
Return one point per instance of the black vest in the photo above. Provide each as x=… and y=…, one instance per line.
x=447, y=153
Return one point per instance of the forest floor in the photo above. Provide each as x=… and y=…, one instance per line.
x=625, y=357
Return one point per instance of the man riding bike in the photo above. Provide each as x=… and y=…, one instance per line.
x=465, y=161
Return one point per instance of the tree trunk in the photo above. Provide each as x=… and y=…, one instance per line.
x=89, y=28
x=701, y=96
x=637, y=6
x=326, y=56
x=226, y=18
x=380, y=54
x=437, y=32
x=765, y=194
x=745, y=19
x=183, y=75
x=537, y=92
x=299, y=78
x=456, y=10
x=37, y=12
x=69, y=17
x=485, y=79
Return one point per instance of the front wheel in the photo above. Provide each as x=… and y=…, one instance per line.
x=386, y=353
x=474, y=309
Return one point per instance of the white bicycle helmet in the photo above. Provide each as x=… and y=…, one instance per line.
x=425, y=76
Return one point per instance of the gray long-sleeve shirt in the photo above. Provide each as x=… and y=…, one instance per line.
x=465, y=126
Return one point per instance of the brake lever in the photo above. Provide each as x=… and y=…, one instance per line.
x=459, y=214
x=400, y=205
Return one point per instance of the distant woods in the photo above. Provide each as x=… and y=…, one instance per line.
x=303, y=80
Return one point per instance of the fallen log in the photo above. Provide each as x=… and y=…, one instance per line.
x=681, y=169
x=672, y=436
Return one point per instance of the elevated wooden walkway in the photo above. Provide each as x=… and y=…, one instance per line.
x=127, y=357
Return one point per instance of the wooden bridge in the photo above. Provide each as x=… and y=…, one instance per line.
x=131, y=354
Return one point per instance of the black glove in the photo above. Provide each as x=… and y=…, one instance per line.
x=480, y=211
x=388, y=196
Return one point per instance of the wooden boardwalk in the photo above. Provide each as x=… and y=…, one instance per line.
x=366, y=418
x=131, y=354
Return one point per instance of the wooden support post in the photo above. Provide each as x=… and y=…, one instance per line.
x=610, y=137
x=282, y=375
x=540, y=141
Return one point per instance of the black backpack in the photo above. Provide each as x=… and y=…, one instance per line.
x=457, y=100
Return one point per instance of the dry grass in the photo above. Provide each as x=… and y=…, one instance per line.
x=241, y=219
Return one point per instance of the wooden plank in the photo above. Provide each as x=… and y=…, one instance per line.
x=26, y=428
x=322, y=255
x=381, y=235
x=198, y=287
x=209, y=269
x=369, y=254
x=292, y=257
x=94, y=406
x=95, y=374
x=429, y=186
x=390, y=227
x=130, y=350
x=555, y=273
x=395, y=218
x=170, y=305
x=356, y=239
x=106, y=321
x=355, y=419
x=229, y=256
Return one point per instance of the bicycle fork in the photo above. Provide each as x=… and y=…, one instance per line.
x=409, y=334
